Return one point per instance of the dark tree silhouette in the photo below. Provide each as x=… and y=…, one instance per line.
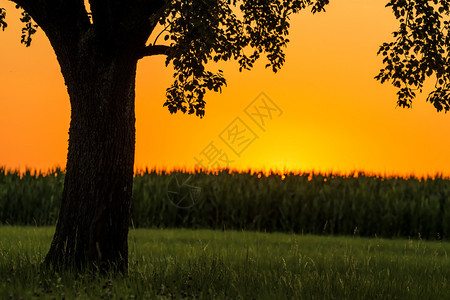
x=421, y=49
x=98, y=48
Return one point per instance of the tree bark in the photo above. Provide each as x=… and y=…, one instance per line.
x=98, y=58
x=93, y=222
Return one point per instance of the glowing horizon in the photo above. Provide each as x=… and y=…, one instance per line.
x=335, y=116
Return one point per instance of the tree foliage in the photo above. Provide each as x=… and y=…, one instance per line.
x=420, y=50
x=28, y=29
x=202, y=31
x=2, y=18
x=195, y=32
x=220, y=30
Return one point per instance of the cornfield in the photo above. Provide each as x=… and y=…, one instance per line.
x=310, y=203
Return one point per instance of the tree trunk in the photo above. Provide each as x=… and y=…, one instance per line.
x=93, y=222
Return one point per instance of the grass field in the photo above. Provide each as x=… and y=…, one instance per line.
x=204, y=264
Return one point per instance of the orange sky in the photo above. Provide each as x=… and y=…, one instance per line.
x=335, y=116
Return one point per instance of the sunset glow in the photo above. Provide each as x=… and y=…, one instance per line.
x=334, y=116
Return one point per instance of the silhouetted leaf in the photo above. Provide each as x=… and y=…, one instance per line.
x=421, y=48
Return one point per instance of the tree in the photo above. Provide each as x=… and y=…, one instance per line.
x=420, y=50
x=98, y=47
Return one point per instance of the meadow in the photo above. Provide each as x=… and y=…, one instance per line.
x=205, y=264
x=308, y=203
x=247, y=235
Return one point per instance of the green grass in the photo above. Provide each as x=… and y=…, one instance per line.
x=188, y=264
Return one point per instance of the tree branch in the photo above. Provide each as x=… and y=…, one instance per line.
x=154, y=50
x=124, y=23
x=63, y=17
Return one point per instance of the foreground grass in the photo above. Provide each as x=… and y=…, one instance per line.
x=185, y=264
